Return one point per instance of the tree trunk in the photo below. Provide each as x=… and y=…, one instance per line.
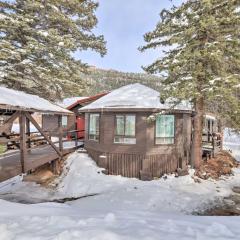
x=197, y=134
x=220, y=131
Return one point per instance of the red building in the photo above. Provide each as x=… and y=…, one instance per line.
x=73, y=122
x=77, y=122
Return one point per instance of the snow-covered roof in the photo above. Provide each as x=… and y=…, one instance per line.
x=135, y=96
x=207, y=116
x=69, y=101
x=12, y=99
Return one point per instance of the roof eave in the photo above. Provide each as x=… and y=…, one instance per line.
x=15, y=108
x=134, y=110
x=87, y=99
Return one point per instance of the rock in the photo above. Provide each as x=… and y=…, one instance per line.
x=196, y=180
x=165, y=177
x=236, y=189
x=105, y=171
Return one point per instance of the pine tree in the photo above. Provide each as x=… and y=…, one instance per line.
x=201, y=42
x=37, y=42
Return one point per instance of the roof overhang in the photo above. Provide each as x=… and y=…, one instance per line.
x=16, y=108
x=11, y=99
x=86, y=100
x=152, y=110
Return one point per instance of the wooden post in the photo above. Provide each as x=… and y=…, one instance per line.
x=76, y=139
x=23, y=149
x=60, y=134
x=9, y=122
x=28, y=133
x=213, y=145
x=32, y=120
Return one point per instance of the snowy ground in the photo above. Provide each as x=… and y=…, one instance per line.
x=232, y=142
x=123, y=209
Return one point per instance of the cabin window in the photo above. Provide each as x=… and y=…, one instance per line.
x=165, y=129
x=93, y=133
x=64, y=121
x=125, y=129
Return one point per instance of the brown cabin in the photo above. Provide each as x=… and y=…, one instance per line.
x=129, y=132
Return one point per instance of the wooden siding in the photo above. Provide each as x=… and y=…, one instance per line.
x=71, y=123
x=130, y=165
x=159, y=164
x=129, y=159
x=50, y=123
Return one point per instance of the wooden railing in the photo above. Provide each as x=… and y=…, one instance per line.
x=35, y=139
x=212, y=146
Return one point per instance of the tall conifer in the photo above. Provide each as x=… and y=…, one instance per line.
x=37, y=40
x=202, y=58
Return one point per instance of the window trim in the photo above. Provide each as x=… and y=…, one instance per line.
x=124, y=136
x=62, y=120
x=89, y=139
x=155, y=133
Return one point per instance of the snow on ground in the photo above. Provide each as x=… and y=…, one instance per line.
x=16, y=128
x=171, y=195
x=62, y=222
x=122, y=209
x=67, y=144
x=232, y=142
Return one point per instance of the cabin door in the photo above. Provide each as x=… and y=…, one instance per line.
x=81, y=126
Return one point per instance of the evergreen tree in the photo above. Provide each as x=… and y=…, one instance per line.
x=101, y=80
x=37, y=40
x=202, y=58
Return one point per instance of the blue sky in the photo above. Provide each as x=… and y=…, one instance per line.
x=123, y=23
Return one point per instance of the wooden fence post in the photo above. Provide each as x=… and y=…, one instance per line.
x=213, y=145
x=60, y=134
x=28, y=133
x=76, y=139
x=23, y=149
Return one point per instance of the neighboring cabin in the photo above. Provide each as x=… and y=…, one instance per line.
x=28, y=155
x=212, y=135
x=121, y=137
x=73, y=122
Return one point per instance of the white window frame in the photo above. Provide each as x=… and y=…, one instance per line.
x=64, y=121
x=96, y=136
x=124, y=138
x=165, y=140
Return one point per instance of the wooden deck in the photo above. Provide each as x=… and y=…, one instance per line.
x=10, y=165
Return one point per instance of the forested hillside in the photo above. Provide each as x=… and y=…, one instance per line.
x=100, y=80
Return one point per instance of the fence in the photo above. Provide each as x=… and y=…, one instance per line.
x=130, y=165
